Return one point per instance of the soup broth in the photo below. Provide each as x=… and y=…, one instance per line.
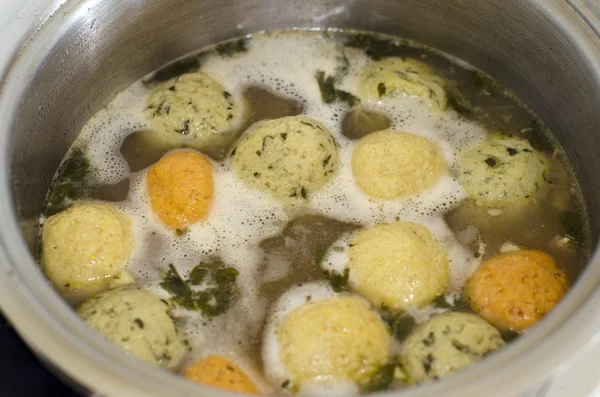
x=232, y=277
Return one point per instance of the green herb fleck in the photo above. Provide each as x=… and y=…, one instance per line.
x=320, y=253
x=427, y=362
x=491, y=162
x=304, y=193
x=512, y=151
x=139, y=323
x=381, y=89
x=403, y=326
x=185, y=129
x=179, y=290
x=70, y=183
x=330, y=94
x=381, y=380
x=461, y=347
x=339, y=282
x=181, y=232
x=198, y=274
x=233, y=47
x=430, y=340
x=212, y=301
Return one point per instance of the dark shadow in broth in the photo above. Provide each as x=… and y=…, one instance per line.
x=115, y=192
x=294, y=255
x=359, y=122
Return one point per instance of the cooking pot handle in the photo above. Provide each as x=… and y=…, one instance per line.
x=589, y=11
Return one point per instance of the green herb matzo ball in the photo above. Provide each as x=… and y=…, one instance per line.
x=389, y=164
x=193, y=107
x=84, y=249
x=398, y=265
x=501, y=170
x=138, y=322
x=289, y=157
x=394, y=77
x=332, y=339
x=446, y=343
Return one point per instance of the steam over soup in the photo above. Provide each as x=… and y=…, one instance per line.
x=309, y=212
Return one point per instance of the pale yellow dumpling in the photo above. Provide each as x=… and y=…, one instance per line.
x=84, y=249
x=393, y=77
x=446, y=343
x=331, y=340
x=137, y=321
x=193, y=108
x=398, y=265
x=389, y=164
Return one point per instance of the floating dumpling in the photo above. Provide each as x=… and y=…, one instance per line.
x=398, y=265
x=446, y=343
x=180, y=188
x=513, y=291
x=289, y=157
x=394, y=77
x=137, y=321
x=193, y=107
x=501, y=170
x=388, y=164
x=326, y=343
x=220, y=372
x=84, y=249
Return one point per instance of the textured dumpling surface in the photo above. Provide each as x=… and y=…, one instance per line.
x=501, y=170
x=398, y=265
x=389, y=164
x=220, y=372
x=192, y=106
x=138, y=322
x=333, y=339
x=513, y=291
x=84, y=249
x=392, y=77
x=180, y=188
x=289, y=157
x=446, y=343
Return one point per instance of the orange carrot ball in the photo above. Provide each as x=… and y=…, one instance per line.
x=220, y=372
x=180, y=187
x=514, y=291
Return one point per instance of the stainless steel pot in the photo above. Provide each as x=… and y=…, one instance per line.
x=68, y=59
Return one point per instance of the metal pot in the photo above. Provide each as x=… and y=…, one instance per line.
x=68, y=59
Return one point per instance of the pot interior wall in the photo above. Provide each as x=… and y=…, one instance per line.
x=103, y=46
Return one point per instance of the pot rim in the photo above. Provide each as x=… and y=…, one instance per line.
x=54, y=331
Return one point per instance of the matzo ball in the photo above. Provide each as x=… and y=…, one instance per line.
x=513, y=291
x=501, y=170
x=138, y=322
x=393, y=77
x=398, y=265
x=338, y=338
x=389, y=164
x=192, y=107
x=84, y=249
x=181, y=188
x=289, y=157
x=446, y=343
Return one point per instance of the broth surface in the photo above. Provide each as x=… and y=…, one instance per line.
x=277, y=247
